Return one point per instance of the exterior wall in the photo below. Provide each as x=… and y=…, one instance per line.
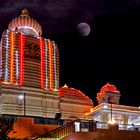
x=29, y=61
x=111, y=134
x=104, y=117
x=25, y=127
x=29, y=66
x=108, y=94
x=74, y=109
x=121, y=114
x=38, y=102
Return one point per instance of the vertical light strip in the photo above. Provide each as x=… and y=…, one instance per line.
x=42, y=62
x=21, y=58
x=6, y=59
x=55, y=73
x=17, y=66
x=50, y=62
x=57, y=65
x=46, y=65
x=0, y=60
x=12, y=58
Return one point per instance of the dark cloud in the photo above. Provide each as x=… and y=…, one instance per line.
x=11, y=6
x=102, y=56
x=58, y=13
x=59, y=16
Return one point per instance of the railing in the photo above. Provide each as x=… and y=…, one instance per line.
x=102, y=125
x=129, y=127
x=37, y=120
x=83, y=126
x=57, y=133
x=41, y=120
x=86, y=125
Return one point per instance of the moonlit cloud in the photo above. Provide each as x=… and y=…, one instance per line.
x=59, y=15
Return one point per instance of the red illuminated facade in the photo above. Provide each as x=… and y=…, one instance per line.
x=109, y=88
x=108, y=93
x=29, y=66
x=28, y=59
x=72, y=93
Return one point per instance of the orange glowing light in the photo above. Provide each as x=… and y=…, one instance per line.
x=21, y=58
x=112, y=121
x=12, y=57
x=91, y=110
x=6, y=82
x=42, y=62
x=50, y=60
x=109, y=88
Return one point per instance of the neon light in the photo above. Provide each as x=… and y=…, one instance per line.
x=21, y=57
x=109, y=88
x=0, y=60
x=50, y=60
x=55, y=78
x=46, y=65
x=17, y=69
x=6, y=83
x=6, y=62
x=57, y=66
x=128, y=109
x=12, y=57
x=42, y=62
x=26, y=27
x=5, y=45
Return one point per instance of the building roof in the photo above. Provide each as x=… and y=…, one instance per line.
x=67, y=92
x=25, y=24
x=109, y=88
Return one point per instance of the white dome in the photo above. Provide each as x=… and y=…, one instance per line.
x=25, y=24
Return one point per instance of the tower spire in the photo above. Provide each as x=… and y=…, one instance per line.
x=25, y=12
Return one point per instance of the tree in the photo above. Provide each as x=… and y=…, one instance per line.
x=6, y=125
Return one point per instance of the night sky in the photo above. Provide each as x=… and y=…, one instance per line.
x=110, y=53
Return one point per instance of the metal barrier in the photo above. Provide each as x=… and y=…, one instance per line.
x=130, y=127
x=83, y=126
x=41, y=120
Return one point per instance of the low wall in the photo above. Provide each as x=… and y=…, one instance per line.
x=105, y=134
x=25, y=127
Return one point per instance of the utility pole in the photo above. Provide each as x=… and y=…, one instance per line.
x=24, y=99
x=110, y=102
x=111, y=111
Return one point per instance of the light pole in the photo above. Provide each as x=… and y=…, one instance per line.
x=111, y=111
x=110, y=102
x=24, y=103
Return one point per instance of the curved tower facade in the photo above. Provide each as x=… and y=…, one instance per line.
x=29, y=67
x=28, y=59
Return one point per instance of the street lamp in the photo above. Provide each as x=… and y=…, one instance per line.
x=23, y=97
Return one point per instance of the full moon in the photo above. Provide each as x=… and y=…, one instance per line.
x=83, y=28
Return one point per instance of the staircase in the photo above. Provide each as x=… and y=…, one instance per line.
x=57, y=133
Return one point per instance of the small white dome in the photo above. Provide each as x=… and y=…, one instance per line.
x=25, y=24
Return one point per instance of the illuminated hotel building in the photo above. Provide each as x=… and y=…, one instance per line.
x=28, y=58
x=29, y=66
